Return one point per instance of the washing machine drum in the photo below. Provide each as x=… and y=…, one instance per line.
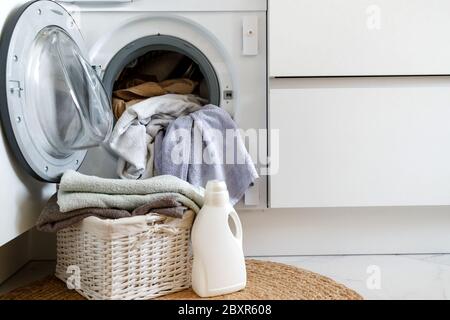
x=54, y=105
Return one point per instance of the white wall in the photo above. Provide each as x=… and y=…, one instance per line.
x=21, y=197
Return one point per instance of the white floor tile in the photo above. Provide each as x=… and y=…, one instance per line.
x=401, y=277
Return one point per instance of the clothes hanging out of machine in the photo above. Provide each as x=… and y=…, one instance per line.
x=159, y=99
x=149, y=133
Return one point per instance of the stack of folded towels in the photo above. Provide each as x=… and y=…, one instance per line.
x=80, y=196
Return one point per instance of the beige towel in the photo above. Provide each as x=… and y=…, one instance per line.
x=125, y=98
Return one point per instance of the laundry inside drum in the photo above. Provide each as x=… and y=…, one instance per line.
x=160, y=72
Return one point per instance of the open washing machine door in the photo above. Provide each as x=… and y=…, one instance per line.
x=53, y=104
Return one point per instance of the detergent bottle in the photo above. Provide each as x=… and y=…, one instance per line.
x=219, y=264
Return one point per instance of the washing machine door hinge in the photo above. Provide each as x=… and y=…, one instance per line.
x=15, y=87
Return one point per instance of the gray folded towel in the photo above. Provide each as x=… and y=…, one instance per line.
x=78, y=191
x=53, y=220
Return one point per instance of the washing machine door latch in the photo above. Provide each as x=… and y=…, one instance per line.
x=15, y=88
x=228, y=95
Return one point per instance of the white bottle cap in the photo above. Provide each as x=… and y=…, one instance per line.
x=216, y=193
x=216, y=186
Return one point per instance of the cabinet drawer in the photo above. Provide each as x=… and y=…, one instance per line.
x=347, y=142
x=359, y=37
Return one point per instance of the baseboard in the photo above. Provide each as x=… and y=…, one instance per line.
x=43, y=245
x=14, y=255
x=30, y=246
x=336, y=231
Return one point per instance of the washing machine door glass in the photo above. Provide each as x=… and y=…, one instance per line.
x=66, y=99
x=54, y=106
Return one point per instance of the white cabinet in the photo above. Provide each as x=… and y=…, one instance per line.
x=361, y=141
x=359, y=37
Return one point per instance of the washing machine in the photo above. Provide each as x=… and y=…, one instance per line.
x=60, y=61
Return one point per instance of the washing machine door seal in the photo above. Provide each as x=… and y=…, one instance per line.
x=53, y=104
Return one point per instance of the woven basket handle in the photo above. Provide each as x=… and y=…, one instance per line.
x=152, y=221
x=154, y=227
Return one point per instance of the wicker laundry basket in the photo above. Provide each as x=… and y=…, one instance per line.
x=132, y=258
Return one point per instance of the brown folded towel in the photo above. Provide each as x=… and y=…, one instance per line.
x=53, y=220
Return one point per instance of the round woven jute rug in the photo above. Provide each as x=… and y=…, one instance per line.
x=266, y=281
